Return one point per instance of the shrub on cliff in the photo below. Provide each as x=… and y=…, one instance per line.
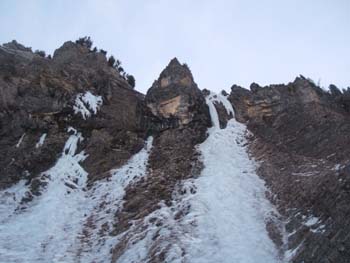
x=334, y=90
x=118, y=66
x=84, y=41
x=111, y=61
x=41, y=53
x=104, y=52
x=131, y=80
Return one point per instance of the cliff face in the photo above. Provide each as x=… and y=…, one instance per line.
x=176, y=99
x=300, y=139
x=77, y=102
x=41, y=96
x=166, y=176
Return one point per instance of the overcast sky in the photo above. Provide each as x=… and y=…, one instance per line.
x=223, y=41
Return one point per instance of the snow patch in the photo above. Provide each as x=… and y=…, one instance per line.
x=41, y=140
x=315, y=225
x=311, y=221
x=320, y=229
x=87, y=104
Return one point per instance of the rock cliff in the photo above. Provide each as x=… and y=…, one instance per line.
x=299, y=138
x=120, y=171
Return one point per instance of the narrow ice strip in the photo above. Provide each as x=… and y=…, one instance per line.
x=87, y=104
x=20, y=140
x=219, y=98
x=41, y=140
x=213, y=113
x=290, y=253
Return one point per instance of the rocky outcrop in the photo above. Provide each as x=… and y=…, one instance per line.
x=38, y=96
x=43, y=101
x=175, y=95
x=174, y=98
x=299, y=136
x=300, y=139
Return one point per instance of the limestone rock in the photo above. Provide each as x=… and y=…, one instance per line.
x=37, y=96
x=176, y=95
x=301, y=142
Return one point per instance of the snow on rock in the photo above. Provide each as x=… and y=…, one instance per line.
x=105, y=200
x=225, y=209
x=67, y=222
x=87, y=104
x=290, y=253
x=44, y=231
x=41, y=140
x=315, y=225
x=311, y=221
x=161, y=232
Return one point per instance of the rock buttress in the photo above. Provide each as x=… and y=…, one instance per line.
x=175, y=98
x=38, y=95
x=301, y=142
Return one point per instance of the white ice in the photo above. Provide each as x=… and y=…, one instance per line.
x=20, y=140
x=45, y=229
x=311, y=221
x=105, y=200
x=68, y=223
x=228, y=208
x=87, y=104
x=41, y=141
x=51, y=228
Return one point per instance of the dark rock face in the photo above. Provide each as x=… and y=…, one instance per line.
x=300, y=138
x=173, y=98
x=37, y=96
x=40, y=96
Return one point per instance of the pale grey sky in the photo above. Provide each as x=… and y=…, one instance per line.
x=223, y=41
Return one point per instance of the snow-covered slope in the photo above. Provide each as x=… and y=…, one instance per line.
x=65, y=223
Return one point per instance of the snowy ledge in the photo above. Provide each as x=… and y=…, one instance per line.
x=87, y=104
